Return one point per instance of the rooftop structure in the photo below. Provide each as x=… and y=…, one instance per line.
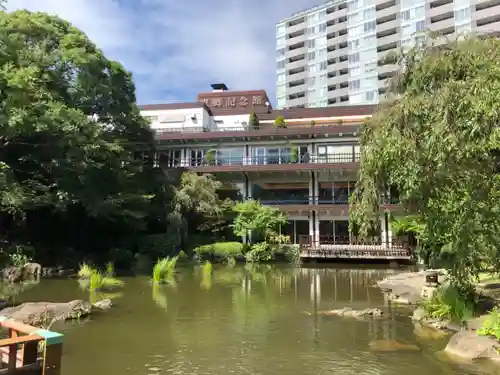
x=333, y=53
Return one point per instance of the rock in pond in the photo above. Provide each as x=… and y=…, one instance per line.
x=104, y=304
x=41, y=313
x=468, y=345
x=350, y=313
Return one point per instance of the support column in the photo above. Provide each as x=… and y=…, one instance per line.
x=385, y=231
x=316, y=187
x=316, y=229
x=246, y=159
x=311, y=188
x=185, y=157
x=311, y=228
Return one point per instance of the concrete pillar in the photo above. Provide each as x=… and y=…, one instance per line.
x=385, y=231
x=311, y=229
x=311, y=188
x=186, y=153
x=316, y=231
x=315, y=187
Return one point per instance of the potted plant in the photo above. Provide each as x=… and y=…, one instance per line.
x=313, y=123
x=253, y=121
x=210, y=157
x=280, y=122
x=294, y=154
x=340, y=122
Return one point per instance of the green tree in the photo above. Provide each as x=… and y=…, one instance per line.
x=253, y=121
x=262, y=221
x=438, y=144
x=75, y=153
x=197, y=207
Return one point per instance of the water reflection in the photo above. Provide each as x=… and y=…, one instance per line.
x=249, y=320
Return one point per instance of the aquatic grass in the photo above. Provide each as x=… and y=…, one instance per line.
x=110, y=269
x=98, y=281
x=206, y=275
x=159, y=297
x=164, y=270
x=85, y=271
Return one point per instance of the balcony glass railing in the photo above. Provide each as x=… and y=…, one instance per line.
x=270, y=160
x=308, y=200
x=267, y=128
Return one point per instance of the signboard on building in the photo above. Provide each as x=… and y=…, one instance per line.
x=242, y=101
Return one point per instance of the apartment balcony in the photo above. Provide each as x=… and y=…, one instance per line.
x=302, y=204
x=271, y=164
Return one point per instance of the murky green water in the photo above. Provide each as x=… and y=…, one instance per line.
x=243, y=322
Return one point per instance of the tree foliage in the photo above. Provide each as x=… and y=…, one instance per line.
x=438, y=145
x=253, y=121
x=72, y=138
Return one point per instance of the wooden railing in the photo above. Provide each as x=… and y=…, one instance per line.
x=29, y=350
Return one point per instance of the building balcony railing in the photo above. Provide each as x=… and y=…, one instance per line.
x=266, y=160
x=342, y=240
x=311, y=200
x=201, y=129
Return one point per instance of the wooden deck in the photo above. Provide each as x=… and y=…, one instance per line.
x=29, y=350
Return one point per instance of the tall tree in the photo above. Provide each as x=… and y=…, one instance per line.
x=72, y=138
x=438, y=145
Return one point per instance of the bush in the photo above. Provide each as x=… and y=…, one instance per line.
x=451, y=303
x=491, y=326
x=220, y=251
x=280, y=122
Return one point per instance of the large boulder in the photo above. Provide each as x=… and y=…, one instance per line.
x=104, y=304
x=468, y=345
x=408, y=287
x=43, y=313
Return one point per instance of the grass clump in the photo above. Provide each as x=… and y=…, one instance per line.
x=164, y=270
x=100, y=281
x=450, y=303
x=85, y=271
x=491, y=326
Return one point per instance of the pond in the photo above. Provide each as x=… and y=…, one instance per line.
x=244, y=321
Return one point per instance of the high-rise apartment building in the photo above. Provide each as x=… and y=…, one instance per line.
x=333, y=54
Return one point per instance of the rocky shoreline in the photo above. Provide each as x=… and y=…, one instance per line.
x=411, y=288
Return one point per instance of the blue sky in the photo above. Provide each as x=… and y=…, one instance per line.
x=177, y=48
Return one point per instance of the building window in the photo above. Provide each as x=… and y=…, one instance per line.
x=322, y=78
x=281, y=41
x=311, y=68
x=420, y=12
x=280, y=90
x=280, y=77
x=311, y=55
x=280, y=64
x=354, y=85
x=370, y=26
x=354, y=4
x=323, y=65
x=322, y=92
x=310, y=30
x=406, y=15
x=369, y=13
x=354, y=44
x=420, y=26
x=354, y=57
x=323, y=52
x=280, y=29
x=281, y=52
x=311, y=43
x=462, y=14
x=322, y=28
x=370, y=96
x=354, y=71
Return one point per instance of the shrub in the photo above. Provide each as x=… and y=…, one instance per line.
x=491, y=326
x=260, y=252
x=313, y=123
x=280, y=122
x=253, y=121
x=451, y=303
x=220, y=251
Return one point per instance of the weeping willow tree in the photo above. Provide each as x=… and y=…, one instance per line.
x=438, y=144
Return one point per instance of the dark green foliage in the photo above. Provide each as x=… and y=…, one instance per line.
x=253, y=121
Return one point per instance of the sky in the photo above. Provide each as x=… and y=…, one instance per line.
x=177, y=48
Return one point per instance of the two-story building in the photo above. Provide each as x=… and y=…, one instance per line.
x=306, y=167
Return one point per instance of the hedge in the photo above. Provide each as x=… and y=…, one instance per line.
x=220, y=251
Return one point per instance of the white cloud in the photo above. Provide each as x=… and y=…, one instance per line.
x=176, y=48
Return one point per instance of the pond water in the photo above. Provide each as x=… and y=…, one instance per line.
x=244, y=321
